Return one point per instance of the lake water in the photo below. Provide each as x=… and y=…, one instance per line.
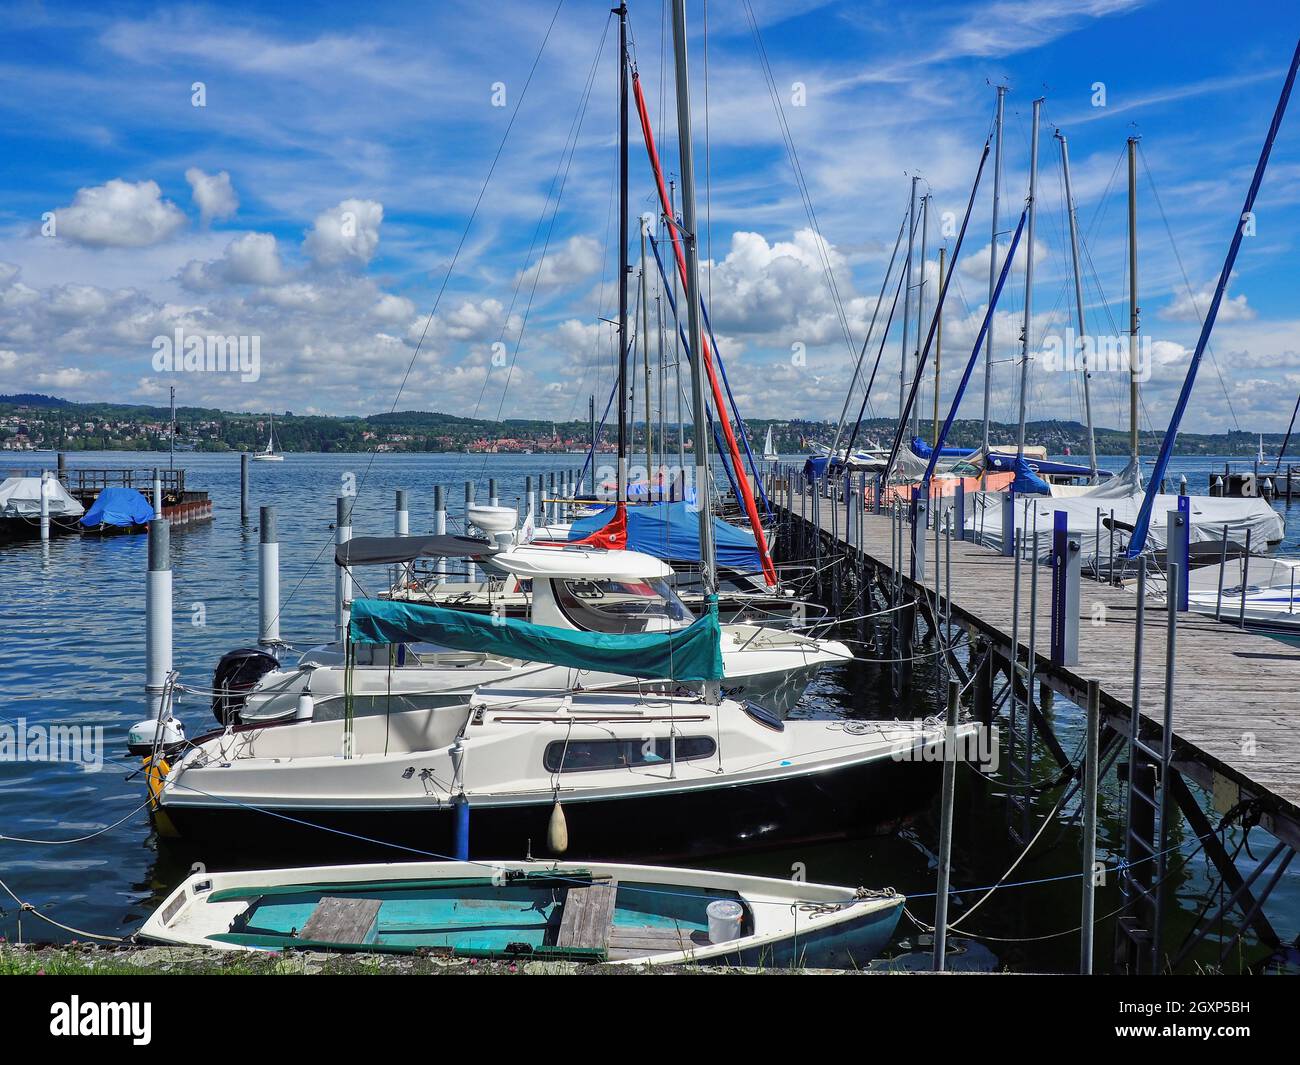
x=72, y=614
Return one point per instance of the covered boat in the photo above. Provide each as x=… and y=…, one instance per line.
x=20, y=507
x=118, y=509
x=589, y=912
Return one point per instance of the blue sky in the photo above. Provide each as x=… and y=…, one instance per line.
x=318, y=195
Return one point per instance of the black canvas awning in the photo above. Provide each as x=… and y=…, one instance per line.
x=389, y=550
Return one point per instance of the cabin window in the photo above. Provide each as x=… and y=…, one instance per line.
x=584, y=756
x=622, y=606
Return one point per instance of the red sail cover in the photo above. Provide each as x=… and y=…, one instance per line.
x=612, y=536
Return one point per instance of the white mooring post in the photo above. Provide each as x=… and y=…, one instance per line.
x=530, y=500
x=158, y=615
x=342, y=574
x=45, y=505
x=157, y=494
x=440, y=527
x=472, y=573
x=268, y=579
x=494, y=500
x=401, y=527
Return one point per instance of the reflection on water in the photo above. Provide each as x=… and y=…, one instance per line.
x=73, y=618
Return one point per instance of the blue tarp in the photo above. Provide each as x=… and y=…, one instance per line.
x=671, y=532
x=1027, y=482
x=1001, y=462
x=920, y=447
x=118, y=507
x=690, y=654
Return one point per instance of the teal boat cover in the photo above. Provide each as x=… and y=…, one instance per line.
x=690, y=654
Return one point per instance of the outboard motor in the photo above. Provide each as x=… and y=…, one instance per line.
x=236, y=675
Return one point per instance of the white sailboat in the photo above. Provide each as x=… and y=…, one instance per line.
x=269, y=454
x=769, y=451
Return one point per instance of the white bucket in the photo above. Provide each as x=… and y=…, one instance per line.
x=725, y=919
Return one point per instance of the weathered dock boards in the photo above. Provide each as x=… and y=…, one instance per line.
x=1236, y=705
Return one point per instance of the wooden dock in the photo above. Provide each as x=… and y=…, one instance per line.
x=1236, y=698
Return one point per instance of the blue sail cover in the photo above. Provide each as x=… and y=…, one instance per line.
x=1027, y=481
x=118, y=507
x=671, y=532
x=690, y=654
x=924, y=450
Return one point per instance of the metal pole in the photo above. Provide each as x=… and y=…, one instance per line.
x=1026, y=338
x=945, y=829
x=993, y=262
x=158, y=615
x=401, y=527
x=907, y=303
x=1133, y=397
x=45, y=506
x=621, y=11
x=243, y=486
x=1072, y=212
x=472, y=573
x=268, y=579
x=157, y=494
x=440, y=523
x=920, y=305
x=1245, y=580
x=645, y=364
x=342, y=574
x=692, y=296
x=938, y=346
x=1091, y=753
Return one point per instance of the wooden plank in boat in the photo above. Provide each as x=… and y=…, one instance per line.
x=340, y=920
x=588, y=915
x=634, y=941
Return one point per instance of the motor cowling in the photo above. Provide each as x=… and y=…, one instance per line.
x=236, y=675
x=145, y=737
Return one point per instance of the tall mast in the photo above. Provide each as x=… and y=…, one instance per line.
x=677, y=347
x=1078, y=304
x=1133, y=397
x=993, y=259
x=1029, y=281
x=692, y=295
x=645, y=362
x=663, y=442
x=938, y=348
x=907, y=301
x=621, y=11
x=920, y=304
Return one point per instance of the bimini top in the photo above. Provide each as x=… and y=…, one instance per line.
x=578, y=563
x=390, y=550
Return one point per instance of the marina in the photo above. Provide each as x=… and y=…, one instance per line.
x=499, y=634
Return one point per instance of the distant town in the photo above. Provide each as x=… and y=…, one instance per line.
x=34, y=422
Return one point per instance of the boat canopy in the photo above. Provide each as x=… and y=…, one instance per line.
x=118, y=507
x=690, y=654
x=920, y=447
x=391, y=550
x=21, y=497
x=671, y=532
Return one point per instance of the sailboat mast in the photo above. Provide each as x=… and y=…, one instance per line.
x=645, y=363
x=938, y=350
x=993, y=259
x=663, y=370
x=907, y=301
x=1073, y=214
x=920, y=304
x=1133, y=396
x=677, y=348
x=622, y=252
x=1029, y=281
x=689, y=234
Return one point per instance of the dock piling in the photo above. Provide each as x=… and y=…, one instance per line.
x=440, y=527
x=268, y=580
x=243, y=487
x=158, y=615
x=945, y=828
x=1091, y=752
x=45, y=505
x=342, y=574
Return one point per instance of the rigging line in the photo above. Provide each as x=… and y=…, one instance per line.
x=800, y=181
x=1191, y=296
x=884, y=339
x=550, y=231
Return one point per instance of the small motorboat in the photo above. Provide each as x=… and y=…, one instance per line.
x=562, y=911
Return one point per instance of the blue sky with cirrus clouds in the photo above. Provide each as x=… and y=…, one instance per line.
x=318, y=196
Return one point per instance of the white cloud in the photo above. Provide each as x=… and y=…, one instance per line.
x=119, y=214
x=213, y=193
x=251, y=259
x=578, y=258
x=349, y=231
x=1191, y=307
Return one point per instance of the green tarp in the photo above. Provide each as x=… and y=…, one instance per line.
x=690, y=654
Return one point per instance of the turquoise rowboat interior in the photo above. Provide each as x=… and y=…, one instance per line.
x=480, y=917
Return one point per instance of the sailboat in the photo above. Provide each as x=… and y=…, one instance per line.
x=269, y=454
x=689, y=771
x=769, y=450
